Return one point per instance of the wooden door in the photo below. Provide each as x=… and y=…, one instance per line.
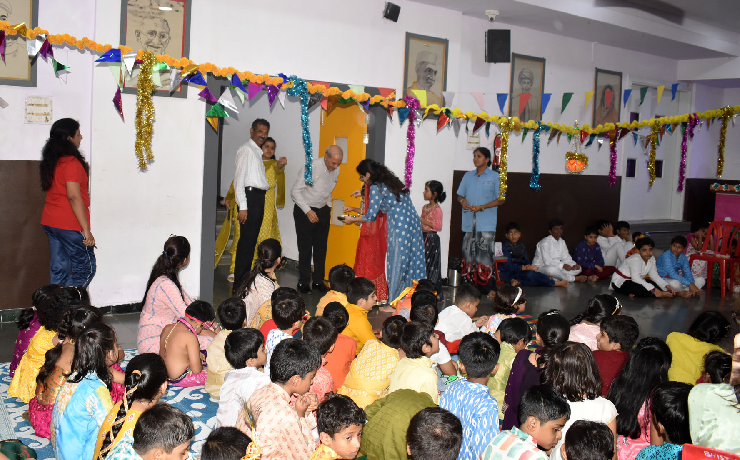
x=345, y=126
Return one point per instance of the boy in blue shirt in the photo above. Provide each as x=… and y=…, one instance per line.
x=673, y=266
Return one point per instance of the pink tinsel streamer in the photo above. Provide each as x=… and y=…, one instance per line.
x=688, y=133
x=613, y=158
x=412, y=104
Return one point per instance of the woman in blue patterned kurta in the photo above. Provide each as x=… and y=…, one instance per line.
x=405, y=257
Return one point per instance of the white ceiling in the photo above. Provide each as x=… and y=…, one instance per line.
x=679, y=29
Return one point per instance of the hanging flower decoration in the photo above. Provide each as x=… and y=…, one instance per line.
x=575, y=160
x=688, y=133
x=653, y=147
x=145, y=112
x=412, y=104
x=726, y=115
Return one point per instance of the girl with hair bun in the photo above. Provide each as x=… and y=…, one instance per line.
x=257, y=287
x=165, y=300
x=431, y=223
x=42, y=303
x=146, y=383
x=586, y=326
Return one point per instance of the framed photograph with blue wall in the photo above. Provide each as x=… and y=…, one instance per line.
x=158, y=26
x=18, y=69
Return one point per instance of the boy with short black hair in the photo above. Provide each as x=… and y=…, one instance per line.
x=245, y=352
x=424, y=309
x=552, y=257
x=284, y=432
x=469, y=399
x=606, y=237
x=278, y=293
x=513, y=334
x=518, y=270
x=435, y=434
x=361, y=300
x=670, y=429
x=403, y=302
x=225, y=443
x=673, y=266
x=368, y=377
x=180, y=348
x=616, y=254
x=339, y=360
x=543, y=412
x=320, y=333
x=617, y=337
x=339, y=423
x=339, y=278
x=232, y=316
x=587, y=440
x=289, y=315
x=589, y=256
x=418, y=342
x=456, y=320
x=162, y=431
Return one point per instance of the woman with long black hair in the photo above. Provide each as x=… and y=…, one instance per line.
x=66, y=216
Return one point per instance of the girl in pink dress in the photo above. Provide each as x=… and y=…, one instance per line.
x=431, y=223
x=586, y=326
x=28, y=322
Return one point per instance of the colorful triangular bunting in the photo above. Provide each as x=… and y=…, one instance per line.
x=254, y=89
x=674, y=89
x=589, y=96
x=566, y=100
x=403, y=113
x=660, y=93
x=206, y=94
x=421, y=95
x=627, y=93
x=272, y=92
x=523, y=100
x=449, y=96
x=112, y=55
x=227, y=100
x=501, y=98
x=237, y=83
x=213, y=121
x=480, y=99
x=545, y=101
x=217, y=110
x=643, y=92
x=117, y=102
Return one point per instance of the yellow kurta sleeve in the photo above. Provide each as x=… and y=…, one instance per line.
x=280, y=176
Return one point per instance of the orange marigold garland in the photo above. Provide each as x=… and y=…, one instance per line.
x=145, y=112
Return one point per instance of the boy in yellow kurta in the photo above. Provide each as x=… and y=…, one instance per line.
x=414, y=372
x=339, y=423
x=369, y=375
x=361, y=297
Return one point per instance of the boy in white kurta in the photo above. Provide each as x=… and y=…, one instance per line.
x=630, y=276
x=552, y=257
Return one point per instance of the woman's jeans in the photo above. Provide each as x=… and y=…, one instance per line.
x=72, y=263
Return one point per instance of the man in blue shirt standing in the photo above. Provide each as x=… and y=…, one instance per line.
x=478, y=194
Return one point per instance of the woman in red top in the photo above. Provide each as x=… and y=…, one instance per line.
x=66, y=215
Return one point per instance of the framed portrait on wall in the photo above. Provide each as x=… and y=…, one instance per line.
x=158, y=26
x=608, y=90
x=425, y=66
x=18, y=69
x=527, y=77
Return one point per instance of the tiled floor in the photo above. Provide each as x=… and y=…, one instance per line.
x=657, y=317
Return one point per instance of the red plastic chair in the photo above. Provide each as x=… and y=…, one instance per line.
x=692, y=452
x=723, y=233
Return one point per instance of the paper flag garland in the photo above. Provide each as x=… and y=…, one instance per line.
x=175, y=79
x=313, y=99
x=488, y=129
x=674, y=88
x=590, y=140
x=217, y=111
x=643, y=92
x=253, y=90
x=207, y=95
x=403, y=113
x=421, y=95
x=116, y=69
x=480, y=99
x=282, y=94
x=129, y=60
x=213, y=121
x=196, y=78
x=545, y=100
x=272, y=92
x=389, y=109
x=566, y=100
x=112, y=55
x=357, y=89
x=3, y=103
x=449, y=96
x=589, y=96
x=660, y=92
x=227, y=100
x=117, y=102
x=442, y=121
x=456, y=126
x=634, y=137
x=46, y=49
x=501, y=97
x=523, y=100
x=627, y=93
x=552, y=134
x=478, y=123
x=34, y=46
x=59, y=68
x=385, y=92
x=524, y=133
x=235, y=82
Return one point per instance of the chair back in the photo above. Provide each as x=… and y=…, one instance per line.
x=692, y=452
x=723, y=233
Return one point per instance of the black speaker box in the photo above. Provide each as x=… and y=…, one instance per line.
x=391, y=11
x=498, y=45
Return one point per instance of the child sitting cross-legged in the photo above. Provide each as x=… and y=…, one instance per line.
x=629, y=278
x=339, y=360
x=669, y=425
x=543, y=412
x=617, y=337
x=361, y=299
x=162, y=432
x=585, y=327
x=245, y=352
x=434, y=433
x=518, y=270
x=589, y=256
x=674, y=267
x=266, y=309
x=339, y=422
x=289, y=313
x=321, y=334
x=233, y=316
x=552, y=257
x=456, y=320
x=369, y=375
x=513, y=334
x=180, y=349
x=282, y=431
x=508, y=302
x=227, y=443
x=469, y=399
x=146, y=383
x=339, y=278
x=418, y=342
x=587, y=440
x=424, y=310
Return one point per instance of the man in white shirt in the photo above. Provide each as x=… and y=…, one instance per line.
x=250, y=185
x=312, y=215
x=552, y=257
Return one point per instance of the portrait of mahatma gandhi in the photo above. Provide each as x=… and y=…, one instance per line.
x=528, y=76
x=426, y=67
x=153, y=35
